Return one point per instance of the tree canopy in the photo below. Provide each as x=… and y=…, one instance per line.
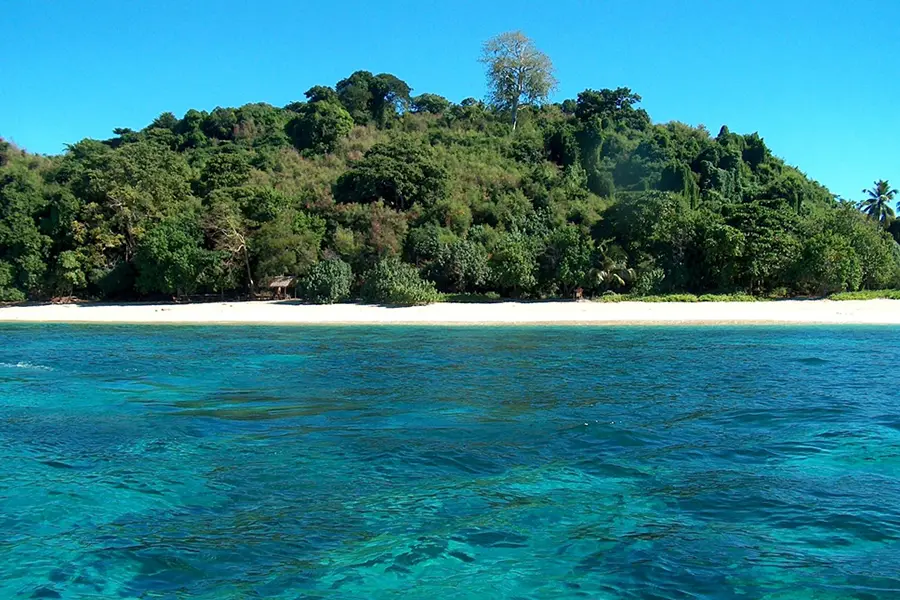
x=518, y=73
x=878, y=203
x=365, y=190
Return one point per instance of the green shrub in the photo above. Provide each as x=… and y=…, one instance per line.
x=471, y=298
x=394, y=282
x=739, y=297
x=867, y=295
x=669, y=298
x=828, y=264
x=613, y=297
x=513, y=264
x=462, y=266
x=11, y=295
x=649, y=282
x=7, y=292
x=170, y=258
x=327, y=282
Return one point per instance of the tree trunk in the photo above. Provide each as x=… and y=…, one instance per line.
x=515, y=114
x=249, y=273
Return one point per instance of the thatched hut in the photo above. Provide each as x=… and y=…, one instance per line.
x=280, y=286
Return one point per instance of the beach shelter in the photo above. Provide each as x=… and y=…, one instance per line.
x=280, y=285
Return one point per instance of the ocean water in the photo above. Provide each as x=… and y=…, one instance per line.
x=428, y=462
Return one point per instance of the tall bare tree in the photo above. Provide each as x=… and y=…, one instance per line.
x=518, y=74
x=227, y=230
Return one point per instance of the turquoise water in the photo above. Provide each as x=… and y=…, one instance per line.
x=416, y=462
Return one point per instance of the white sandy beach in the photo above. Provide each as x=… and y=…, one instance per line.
x=787, y=311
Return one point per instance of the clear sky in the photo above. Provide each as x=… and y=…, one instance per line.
x=818, y=79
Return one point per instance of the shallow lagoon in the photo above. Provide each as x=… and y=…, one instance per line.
x=430, y=462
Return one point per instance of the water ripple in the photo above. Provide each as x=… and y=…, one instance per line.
x=354, y=462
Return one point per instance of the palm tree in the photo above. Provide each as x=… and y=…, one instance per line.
x=878, y=204
x=613, y=270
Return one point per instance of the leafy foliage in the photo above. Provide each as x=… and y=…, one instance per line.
x=829, y=264
x=878, y=204
x=8, y=293
x=320, y=126
x=462, y=266
x=430, y=103
x=170, y=259
x=327, y=282
x=514, y=264
x=399, y=172
x=362, y=176
x=393, y=282
x=867, y=295
x=370, y=97
x=518, y=73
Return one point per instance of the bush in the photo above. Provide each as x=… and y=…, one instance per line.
x=425, y=243
x=170, y=259
x=7, y=292
x=393, y=282
x=867, y=295
x=471, y=298
x=829, y=264
x=613, y=297
x=649, y=282
x=11, y=295
x=327, y=282
x=727, y=298
x=462, y=266
x=669, y=298
x=513, y=264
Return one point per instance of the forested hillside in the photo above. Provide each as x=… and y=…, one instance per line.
x=366, y=189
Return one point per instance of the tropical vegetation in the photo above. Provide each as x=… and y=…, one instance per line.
x=367, y=190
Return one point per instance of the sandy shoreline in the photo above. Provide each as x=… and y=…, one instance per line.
x=624, y=313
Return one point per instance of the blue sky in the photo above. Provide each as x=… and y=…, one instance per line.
x=817, y=79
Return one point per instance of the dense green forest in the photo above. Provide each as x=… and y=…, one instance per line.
x=367, y=190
